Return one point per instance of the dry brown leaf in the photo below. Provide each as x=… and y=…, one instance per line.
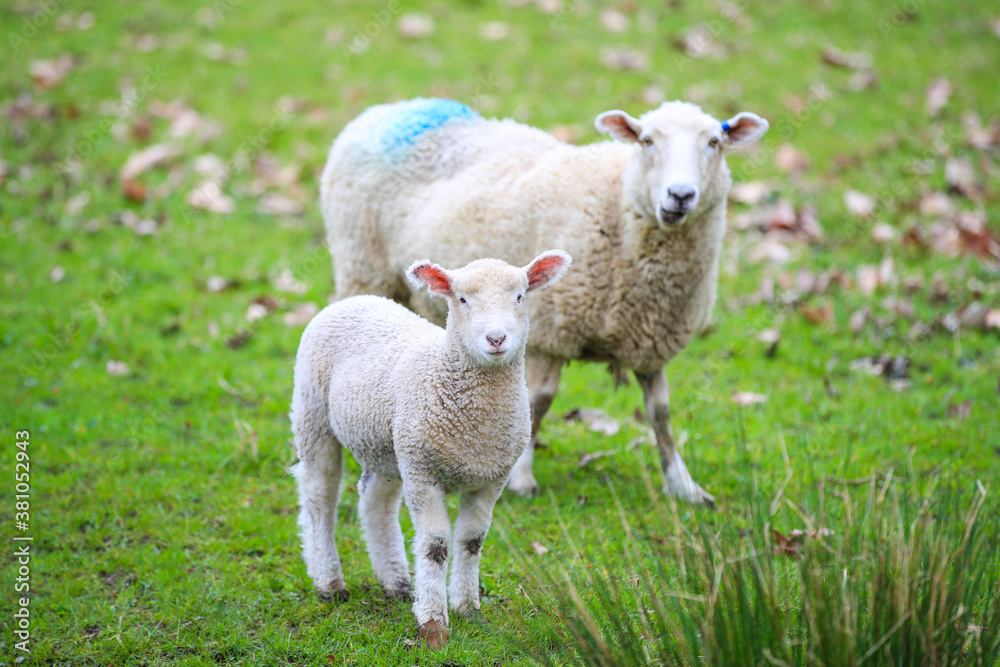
x=494, y=31
x=937, y=95
x=539, y=548
x=817, y=314
x=771, y=338
x=787, y=546
x=624, y=59
x=117, y=368
x=850, y=59
x=961, y=176
x=301, y=315
x=883, y=233
x=960, y=410
x=748, y=398
x=935, y=204
x=590, y=457
x=286, y=282
x=272, y=203
x=209, y=197
x=595, y=419
x=789, y=159
x=416, y=26
x=859, y=204
x=862, y=80
x=149, y=157
x=750, y=192
x=614, y=20
x=859, y=318
x=48, y=73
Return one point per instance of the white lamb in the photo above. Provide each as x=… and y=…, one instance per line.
x=425, y=411
x=644, y=217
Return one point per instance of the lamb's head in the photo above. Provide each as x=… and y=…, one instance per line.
x=487, y=301
x=680, y=167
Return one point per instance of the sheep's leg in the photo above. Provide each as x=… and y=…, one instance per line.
x=319, y=491
x=378, y=510
x=474, y=516
x=677, y=480
x=426, y=503
x=542, y=377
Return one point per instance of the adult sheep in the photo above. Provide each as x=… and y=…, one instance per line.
x=643, y=217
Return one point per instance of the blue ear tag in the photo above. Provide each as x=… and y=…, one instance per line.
x=725, y=126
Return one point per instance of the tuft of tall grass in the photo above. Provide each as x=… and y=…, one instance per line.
x=889, y=572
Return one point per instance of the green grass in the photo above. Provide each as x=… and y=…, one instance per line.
x=162, y=512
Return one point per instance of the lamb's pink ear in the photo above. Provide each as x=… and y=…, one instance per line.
x=547, y=268
x=619, y=125
x=744, y=128
x=422, y=272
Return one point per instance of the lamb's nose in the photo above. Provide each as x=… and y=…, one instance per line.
x=683, y=193
x=496, y=340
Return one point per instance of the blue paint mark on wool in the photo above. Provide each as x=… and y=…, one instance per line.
x=401, y=129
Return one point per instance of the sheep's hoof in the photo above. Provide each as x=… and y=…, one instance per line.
x=433, y=634
x=402, y=590
x=524, y=488
x=335, y=592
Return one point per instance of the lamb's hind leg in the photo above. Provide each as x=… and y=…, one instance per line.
x=318, y=475
x=677, y=480
x=542, y=377
x=474, y=517
x=378, y=509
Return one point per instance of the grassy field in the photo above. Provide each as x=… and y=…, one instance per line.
x=147, y=344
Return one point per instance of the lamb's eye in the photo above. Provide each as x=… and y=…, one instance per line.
x=713, y=142
x=646, y=141
x=461, y=299
x=519, y=297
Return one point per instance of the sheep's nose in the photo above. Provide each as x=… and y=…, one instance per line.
x=496, y=340
x=683, y=194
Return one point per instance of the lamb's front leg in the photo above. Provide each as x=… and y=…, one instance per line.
x=474, y=516
x=677, y=480
x=429, y=513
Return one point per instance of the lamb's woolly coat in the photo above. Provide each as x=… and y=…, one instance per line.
x=431, y=177
x=400, y=393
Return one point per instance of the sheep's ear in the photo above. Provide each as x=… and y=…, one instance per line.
x=619, y=125
x=547, y=268
x=744, y=128
x=438, y=281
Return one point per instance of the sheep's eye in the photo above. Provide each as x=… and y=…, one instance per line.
x=461, y=299
x=646, y=141
x=713, y=142
x=519, y=297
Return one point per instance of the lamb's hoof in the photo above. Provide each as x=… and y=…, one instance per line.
x=335, y=592
x=402, y=590
x=524, y=488
x=433, y=634
x=695, y=496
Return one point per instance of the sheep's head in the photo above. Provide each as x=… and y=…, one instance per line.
x=681, y=162
x=487, y=301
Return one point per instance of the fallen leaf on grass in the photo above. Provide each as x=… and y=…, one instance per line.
x=272, y=203
x=539, y=548
x=117, y=368
x=286, y=282
x=57, y=273
x=771, y=338
x=748, y=398
x=494, y=31
x=883, y=233
x=859, y=204
x=790, y=160
x=415, y=25
x=595, y=419
x=209, y=197
x=889, y=367
x=239, y=339
x=817, y=314
x=937, y=95
x=302, y=315
x=849, y=59
x=960, y=410
x=140, y=161
x=961, y=177
x=793, y=543
x=216, y=283
x=614, y=20
x=48, y=73
x=751, y=192
x=590, y=457
x=624, y=59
